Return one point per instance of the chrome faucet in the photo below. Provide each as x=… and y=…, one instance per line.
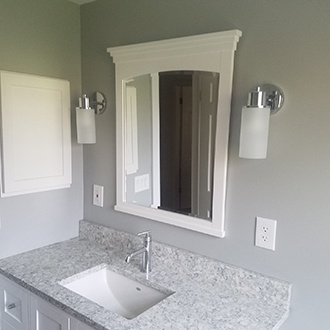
x=145, y=251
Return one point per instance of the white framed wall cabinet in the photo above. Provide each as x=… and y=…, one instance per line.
x=35, y=134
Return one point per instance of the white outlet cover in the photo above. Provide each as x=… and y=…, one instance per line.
x=265, y=233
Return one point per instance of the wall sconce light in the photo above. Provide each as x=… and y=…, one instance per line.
x=265, y=101
x=85, y=116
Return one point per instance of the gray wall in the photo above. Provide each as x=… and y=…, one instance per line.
x=42, y=37
x=284, y=42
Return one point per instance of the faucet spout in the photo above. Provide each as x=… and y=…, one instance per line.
x=145, y=251
x=134, y=254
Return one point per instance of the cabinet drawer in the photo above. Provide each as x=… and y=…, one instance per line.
x=14, y=306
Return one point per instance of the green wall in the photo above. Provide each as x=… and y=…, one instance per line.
x=42, y=37
x=285, y=43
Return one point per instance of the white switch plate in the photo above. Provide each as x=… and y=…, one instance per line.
x=265, y=233
x=98, y=195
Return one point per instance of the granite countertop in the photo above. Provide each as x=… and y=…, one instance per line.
x=207, y=293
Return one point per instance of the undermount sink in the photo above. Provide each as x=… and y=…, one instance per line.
x=116, y=292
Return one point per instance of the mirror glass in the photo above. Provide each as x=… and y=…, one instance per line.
x=170, y=138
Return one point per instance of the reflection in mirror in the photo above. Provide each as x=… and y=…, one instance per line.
x=138, y=137
x=169, y=141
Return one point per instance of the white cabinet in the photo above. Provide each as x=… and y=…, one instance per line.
x=22, y=310
x=82, y=326
x=14, y=306
x=45, y=316
x=36, y=133
x=5, y=326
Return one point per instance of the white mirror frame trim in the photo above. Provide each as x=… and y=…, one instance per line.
x=209, y=52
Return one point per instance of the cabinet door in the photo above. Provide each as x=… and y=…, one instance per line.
x=14, y=306
x=35, y=132
x=45, y=316
x=6, y=326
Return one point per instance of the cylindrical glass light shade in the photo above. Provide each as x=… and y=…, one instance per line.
x=85, y=125
x=254, y=132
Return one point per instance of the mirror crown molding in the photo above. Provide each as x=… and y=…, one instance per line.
x=212, y=52
x=204, y=43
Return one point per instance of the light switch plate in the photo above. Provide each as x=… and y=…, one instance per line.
x=141, y=183
x=265, y=233
x=98, y=195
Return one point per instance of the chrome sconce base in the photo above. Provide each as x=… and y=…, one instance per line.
x=99, y=103
x=274, y=97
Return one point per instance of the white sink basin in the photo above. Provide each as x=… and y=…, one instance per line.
x=116, y=292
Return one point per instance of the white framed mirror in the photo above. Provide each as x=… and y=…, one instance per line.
x=173, y=100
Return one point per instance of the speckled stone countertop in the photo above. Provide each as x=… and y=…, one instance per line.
x=208, y=294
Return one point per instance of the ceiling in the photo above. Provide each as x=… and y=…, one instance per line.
x=81, y=2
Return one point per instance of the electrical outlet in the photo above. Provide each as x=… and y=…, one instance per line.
x=265, y=233
x=98, y=195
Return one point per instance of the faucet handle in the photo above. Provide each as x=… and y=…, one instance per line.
x=146, y=234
